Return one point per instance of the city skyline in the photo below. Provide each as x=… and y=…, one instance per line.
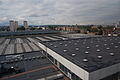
x=60, y=12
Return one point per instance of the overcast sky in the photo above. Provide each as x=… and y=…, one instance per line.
x=60, y=11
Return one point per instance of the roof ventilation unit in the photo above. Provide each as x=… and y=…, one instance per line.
x=112, y=43
x=69, y=42
x=51, y=44
x=76, y=49
x=55, y=46
x=75, y=44
x=88, y=47
x=60, y=43
x=97, y=45
x=100, y=57
x=105, y=44
x=98, y=50
x=116, y=46
x=86, y=52
x=65, y=50
x=65, y=44
x=85, y=60
x=73, y=55
x=83, y=42
x=108, y=48
x=112, y=54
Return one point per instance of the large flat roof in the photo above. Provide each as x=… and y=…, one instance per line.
x=13, y=45
x=90, y=54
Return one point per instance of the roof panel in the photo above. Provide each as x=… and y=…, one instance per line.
x=50, y=38
x=34, y=47
x=19, y=48
x=89, y=49
x=27, y=48
x=42, y=39
x=9, y=49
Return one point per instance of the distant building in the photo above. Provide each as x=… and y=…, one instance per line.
x=16, y=25
x=12, y=25
x=25, y=24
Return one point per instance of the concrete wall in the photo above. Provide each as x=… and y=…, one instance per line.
x=104, y=72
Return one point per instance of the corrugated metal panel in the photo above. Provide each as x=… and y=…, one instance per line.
x=19, y=48
x=7, y=41
x=2, y=48
x=18, y=40
x=34, y=47
x=42, y=39
x=31, y=39
x=9, y=49
x=26, y=47
x=50, y=38
x=58, y=37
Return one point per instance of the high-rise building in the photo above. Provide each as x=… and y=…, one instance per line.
x=25, y=24
x=12, y=25
x=16, y=25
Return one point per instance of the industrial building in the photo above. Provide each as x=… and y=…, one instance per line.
x=86, y=58
x=25, y=23
x=79, y=58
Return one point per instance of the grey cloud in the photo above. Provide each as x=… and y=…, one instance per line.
x=62, y=11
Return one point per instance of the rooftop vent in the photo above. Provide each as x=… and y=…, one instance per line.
x=86, y=52
x=98, y=50
x=64, y=38
x=85, y=60
x=88, y=47
x=105, y=44
x=55, y=46
x=73, y=54
x=51, y=44
x=112, y=54
x=65, y=44
x=112, y=43
x=77, y=49
x=60, y=43
x=108, y=48
x=97, y=45
x=65, y=50
x=77, y=41
x=105, y=40
x=100, y=57
x=75, y=44
x=83, y=42
x=69, y=42
x=116, y=46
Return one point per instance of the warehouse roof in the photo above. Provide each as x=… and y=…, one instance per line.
x=12, y=45
x=89, y=53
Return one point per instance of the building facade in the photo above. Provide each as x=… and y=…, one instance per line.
x=25, y=24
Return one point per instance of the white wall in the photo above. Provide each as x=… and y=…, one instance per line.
x=104, y=72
